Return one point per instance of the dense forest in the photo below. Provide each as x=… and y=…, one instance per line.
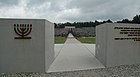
x=136, y=20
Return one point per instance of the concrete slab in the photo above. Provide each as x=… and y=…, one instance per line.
x=91, y=48
x=74, y=56
x=58, y=48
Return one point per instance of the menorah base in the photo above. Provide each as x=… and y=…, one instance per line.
x=22, y=37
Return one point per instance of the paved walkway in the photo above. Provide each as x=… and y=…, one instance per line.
x=74, y=56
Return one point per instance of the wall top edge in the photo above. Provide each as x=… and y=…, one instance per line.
x=119, y=24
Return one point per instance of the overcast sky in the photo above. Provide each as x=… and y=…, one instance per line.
x=70, y=10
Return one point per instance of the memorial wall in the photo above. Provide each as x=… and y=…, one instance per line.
x=26, y=45
x=118, y=44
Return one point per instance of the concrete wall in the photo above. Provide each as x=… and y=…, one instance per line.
x=117, y=52
x=49, y=43
x=26, y=55
x=101, y=47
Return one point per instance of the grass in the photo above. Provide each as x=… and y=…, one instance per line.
x=60, y=40
x=91, y=40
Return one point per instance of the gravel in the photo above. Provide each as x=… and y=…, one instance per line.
x=117, y=71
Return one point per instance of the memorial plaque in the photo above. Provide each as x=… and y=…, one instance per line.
x=118, y=44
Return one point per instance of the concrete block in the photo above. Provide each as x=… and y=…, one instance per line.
x=26, y=51
x=118, y=44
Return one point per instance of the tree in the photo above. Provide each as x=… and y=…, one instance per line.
x=97, y=22
x=136, y=19
x=125, y=21
x=55, y=25
x=109, y=21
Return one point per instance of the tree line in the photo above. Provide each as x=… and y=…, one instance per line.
x=136, y=20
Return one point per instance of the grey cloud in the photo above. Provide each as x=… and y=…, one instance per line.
x=8, y=2
x=105, y=9
x=84, y=4
x=55, y=5
x=36, y=3
x=44, y=5
x=74, y=10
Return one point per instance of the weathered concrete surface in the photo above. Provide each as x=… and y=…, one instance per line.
x=74, y=56
x=113, y=52
x=57, y=49
x=90, y=47
x=26, y=55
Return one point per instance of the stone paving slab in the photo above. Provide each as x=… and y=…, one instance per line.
x=91, y=48
x=74, y=56
x=57, y=49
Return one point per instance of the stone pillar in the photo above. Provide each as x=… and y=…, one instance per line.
x=118, y=44
x=26, y=45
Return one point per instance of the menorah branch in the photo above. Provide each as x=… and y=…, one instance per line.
x=23, y=30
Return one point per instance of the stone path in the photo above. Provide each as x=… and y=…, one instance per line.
x=74, y=56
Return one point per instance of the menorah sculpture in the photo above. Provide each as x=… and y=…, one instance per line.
x=23, y=30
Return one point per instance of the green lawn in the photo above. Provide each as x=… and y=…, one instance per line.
x=91, y=40
x=60, y=40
